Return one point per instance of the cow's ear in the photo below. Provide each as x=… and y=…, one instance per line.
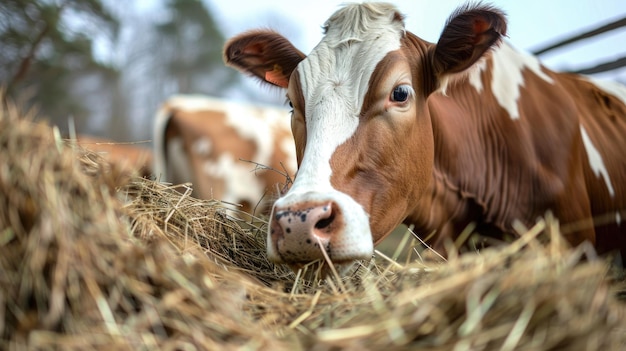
x=265, y=54
x=468, y=34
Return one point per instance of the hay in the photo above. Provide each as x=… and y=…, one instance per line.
x=91, y=258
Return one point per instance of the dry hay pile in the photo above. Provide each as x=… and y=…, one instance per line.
x=92, y=258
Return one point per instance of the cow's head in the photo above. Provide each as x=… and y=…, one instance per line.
x=361, y=123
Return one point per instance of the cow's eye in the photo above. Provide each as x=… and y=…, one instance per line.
x=288, y=101
x=401, y=93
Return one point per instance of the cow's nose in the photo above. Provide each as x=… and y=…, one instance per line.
x=301, y=232
x=309, y=226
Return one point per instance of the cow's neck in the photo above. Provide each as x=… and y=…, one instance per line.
x=463, y=180
x=472, y=132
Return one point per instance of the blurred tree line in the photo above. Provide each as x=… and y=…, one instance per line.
x=105, y=65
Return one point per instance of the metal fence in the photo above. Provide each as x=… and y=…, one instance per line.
x=598, y=68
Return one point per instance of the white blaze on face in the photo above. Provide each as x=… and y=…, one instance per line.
x=334, y=80
x=596, y=162
x=508, y=68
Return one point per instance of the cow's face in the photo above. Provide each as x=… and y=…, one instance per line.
x=354, y=122
x=361, y=126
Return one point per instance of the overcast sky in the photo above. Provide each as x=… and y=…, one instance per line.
x=532, y=23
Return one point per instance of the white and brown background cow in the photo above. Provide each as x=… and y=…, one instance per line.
x=241, y=154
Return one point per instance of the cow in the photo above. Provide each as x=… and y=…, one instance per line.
x=229, y=151
x=390, y=128
x=128, y=157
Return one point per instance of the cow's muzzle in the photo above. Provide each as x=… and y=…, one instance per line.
x=312, y=226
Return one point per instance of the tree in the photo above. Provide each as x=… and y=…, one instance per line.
x=173, y=49
x=47, y=54
x=190, y=49
x=48, y=59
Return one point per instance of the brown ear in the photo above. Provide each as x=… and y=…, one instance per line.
x=469, y=33
x=264, y=54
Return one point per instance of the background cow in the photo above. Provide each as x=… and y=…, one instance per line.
x=214, y=144
x=391, y=128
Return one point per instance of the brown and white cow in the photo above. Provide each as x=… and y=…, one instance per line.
x=214, y=144
x=390, y=128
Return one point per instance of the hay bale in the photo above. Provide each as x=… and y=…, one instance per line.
x=74, y=277
x=130, y=157
x=93, y=259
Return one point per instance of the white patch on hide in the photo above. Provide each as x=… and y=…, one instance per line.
x=595, y=161
x=508, y=66
x=201, y=147
x=240, y=184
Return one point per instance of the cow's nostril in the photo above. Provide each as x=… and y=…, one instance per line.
x=325, y=222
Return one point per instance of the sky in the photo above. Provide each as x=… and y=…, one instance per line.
x=532, y=24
